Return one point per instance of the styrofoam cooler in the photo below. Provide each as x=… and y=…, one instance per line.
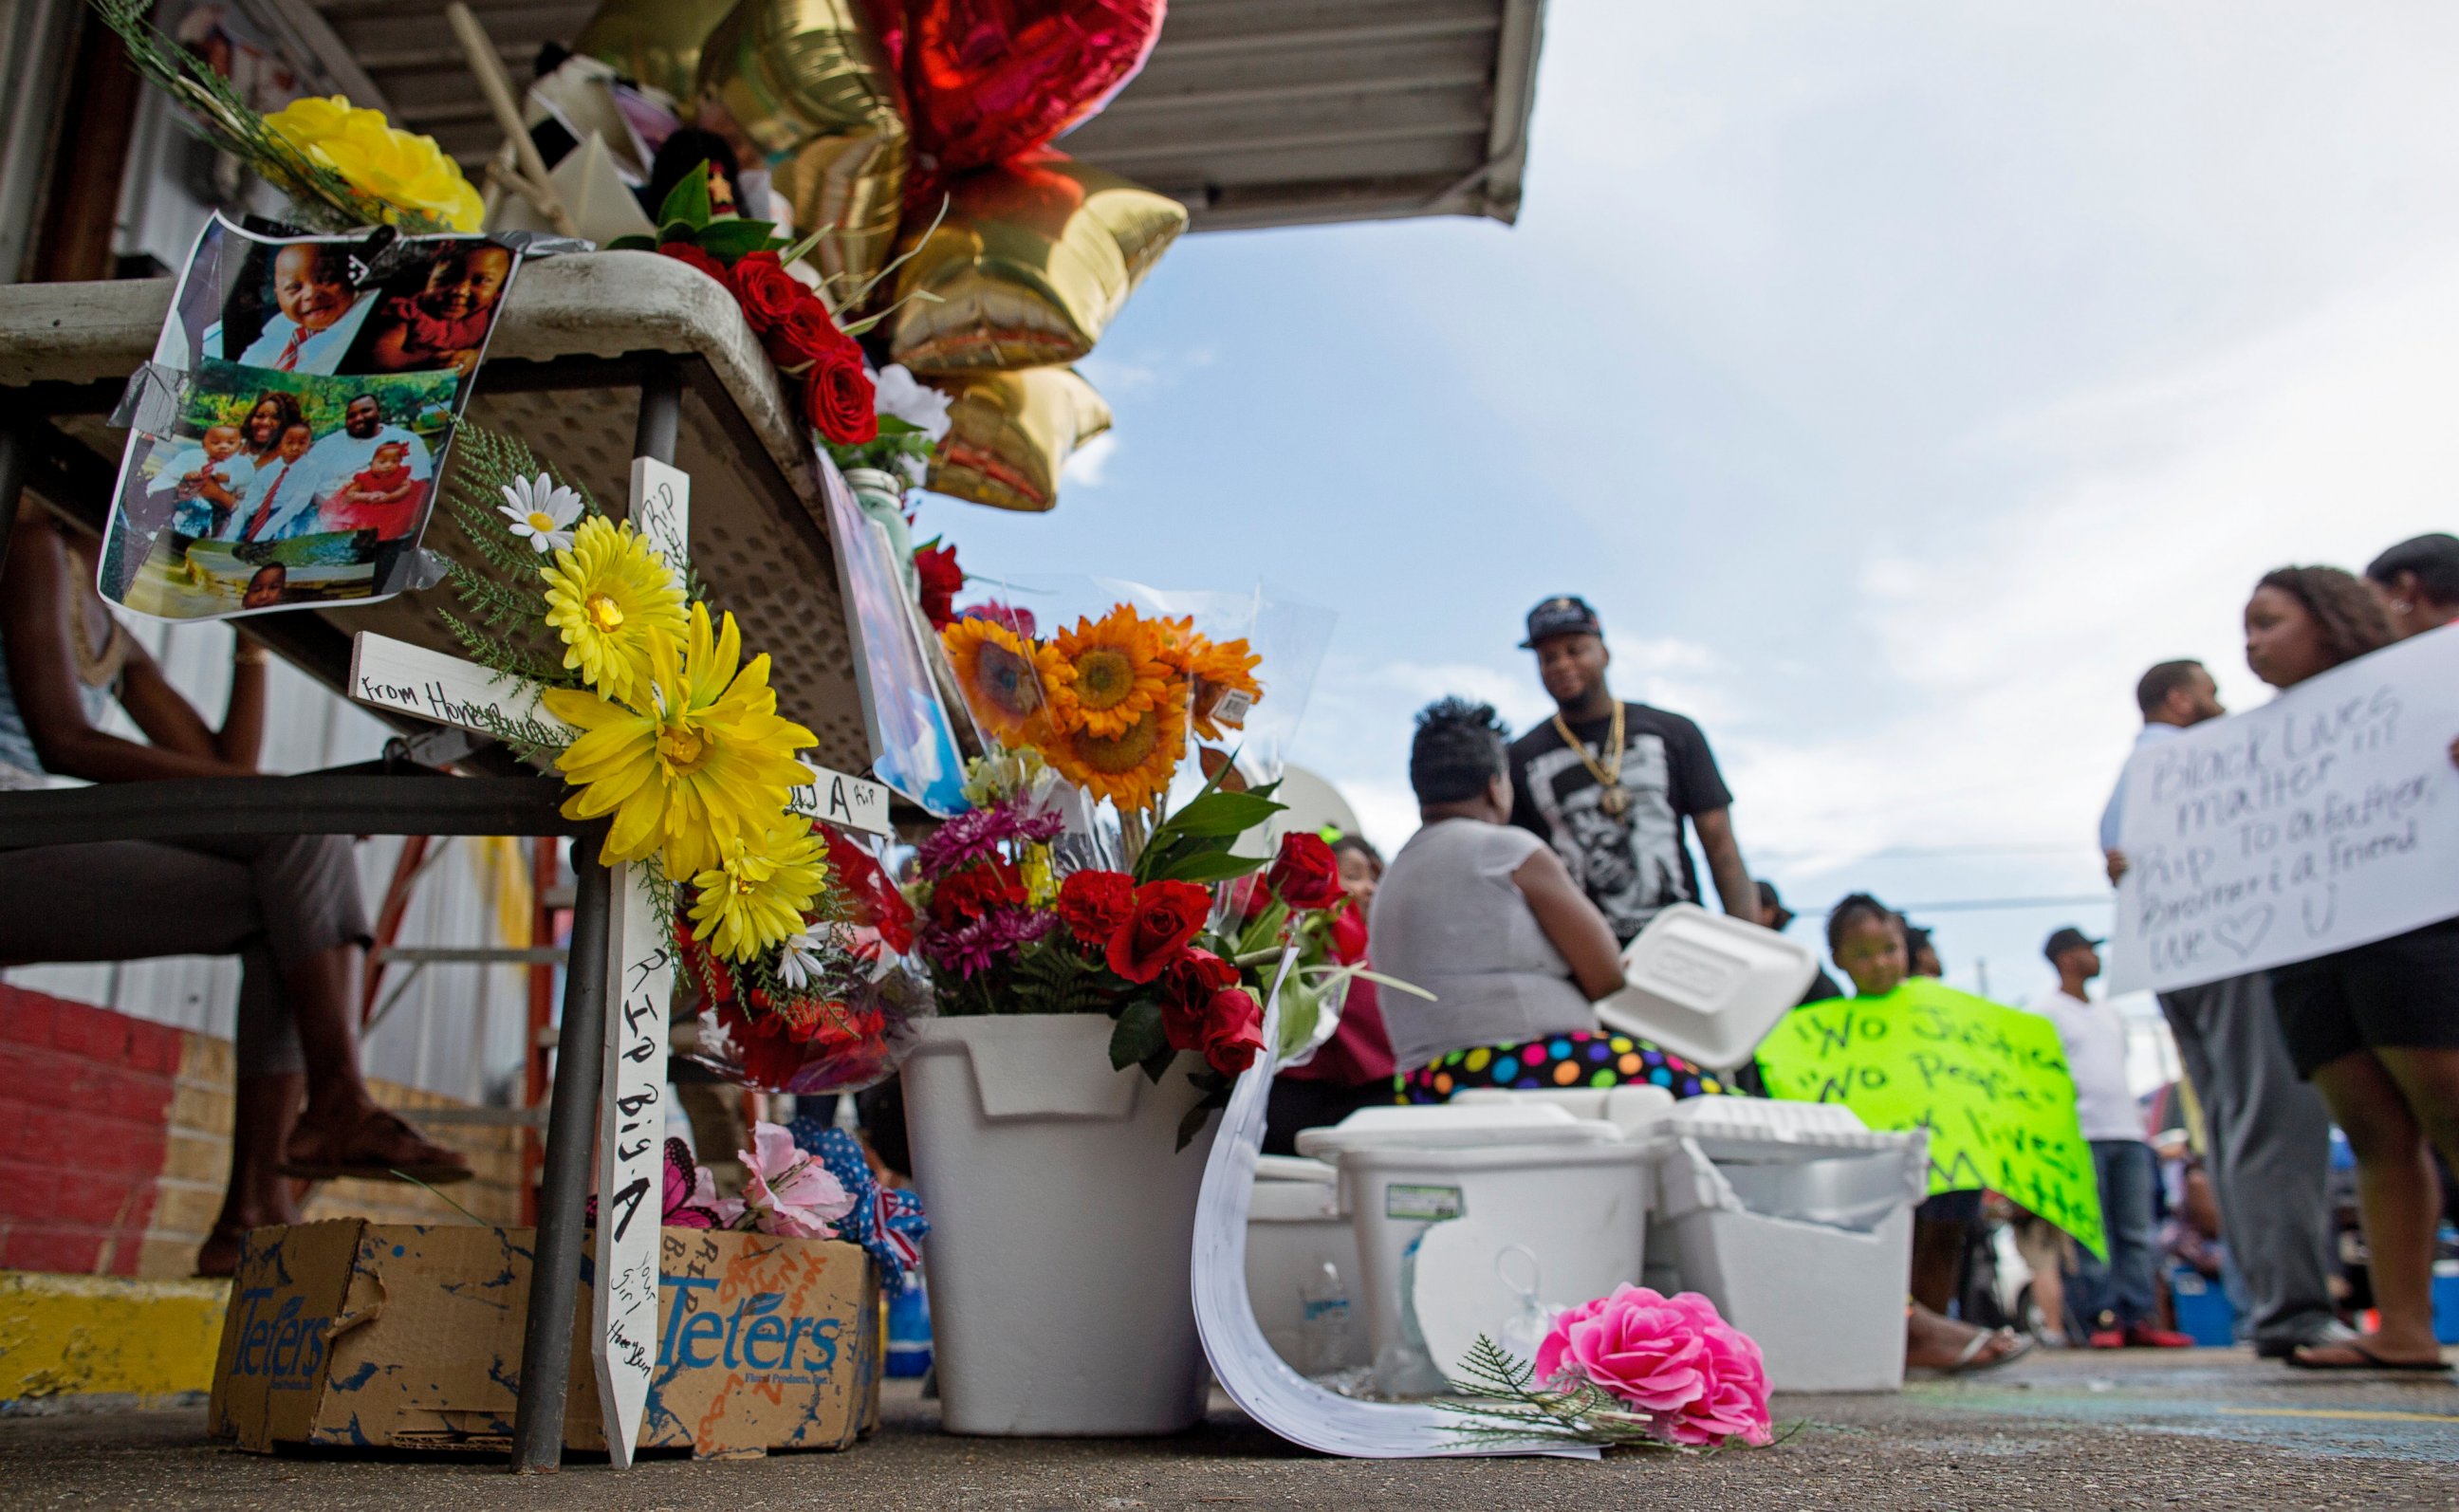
x=1570, y=1192
x=1797, y=1224
x=1295, y=1227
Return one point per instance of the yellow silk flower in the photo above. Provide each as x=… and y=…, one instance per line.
x=404, y=170
x=758, y=893
x=710, y=762
x=606, y=594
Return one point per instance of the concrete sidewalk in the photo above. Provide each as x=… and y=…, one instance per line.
x=2202, y=1428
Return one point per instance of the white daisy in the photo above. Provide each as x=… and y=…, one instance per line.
x=798, y=960
x=541, y=510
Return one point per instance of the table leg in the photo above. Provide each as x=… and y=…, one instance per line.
x=572, y=1128
x=17, y=460
x=662, y=410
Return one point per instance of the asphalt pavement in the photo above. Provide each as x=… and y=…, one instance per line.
x=2201, y=1429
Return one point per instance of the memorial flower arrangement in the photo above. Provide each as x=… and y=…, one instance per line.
x=664, y=730
x=1633, y=1368
x=342, y=166
x=1108, y=703
x=803, y=1181
x=1176, y=966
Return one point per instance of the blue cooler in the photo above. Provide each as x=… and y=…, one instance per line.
x=2202, y=1305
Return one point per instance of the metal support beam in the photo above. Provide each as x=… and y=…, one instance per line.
x=662, y=410
x=572, y=1128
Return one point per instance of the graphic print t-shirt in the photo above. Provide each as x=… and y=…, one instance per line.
x=1634, y=865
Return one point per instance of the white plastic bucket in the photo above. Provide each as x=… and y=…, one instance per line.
x=1062, y=1223
x=1578, y=1205
x=1802, y=1243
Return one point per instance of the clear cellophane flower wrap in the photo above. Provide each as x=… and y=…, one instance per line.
x=842, y=1012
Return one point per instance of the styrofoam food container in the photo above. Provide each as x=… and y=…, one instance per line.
x=1706, y=986
x=1637, y=1109
x=1450, y=1125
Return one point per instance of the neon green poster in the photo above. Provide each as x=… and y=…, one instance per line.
x=1989, y=1082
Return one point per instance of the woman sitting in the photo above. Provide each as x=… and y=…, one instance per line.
x=1484, y=917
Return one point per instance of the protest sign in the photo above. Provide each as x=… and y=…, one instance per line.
x=2326, y=818
x=1989, y=1082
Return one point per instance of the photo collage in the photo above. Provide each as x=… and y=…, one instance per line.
x=313, y=401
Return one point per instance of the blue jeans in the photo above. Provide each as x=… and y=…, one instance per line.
x=2118, y=1291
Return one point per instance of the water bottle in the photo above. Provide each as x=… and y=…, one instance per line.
x=909, y=1328
x=1325, y=1322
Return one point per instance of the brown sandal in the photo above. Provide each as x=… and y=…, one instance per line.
x=379, y=1146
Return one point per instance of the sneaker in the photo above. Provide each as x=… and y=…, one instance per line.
x=2143, y=1336
x=2109, y=1338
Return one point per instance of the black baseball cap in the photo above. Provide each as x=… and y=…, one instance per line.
x=1566, y=614
x=2067, y=939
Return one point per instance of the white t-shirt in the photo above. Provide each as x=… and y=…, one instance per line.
x=320, y=353
x=2094, y=1037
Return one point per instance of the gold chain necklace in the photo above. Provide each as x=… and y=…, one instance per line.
x=1614, y=801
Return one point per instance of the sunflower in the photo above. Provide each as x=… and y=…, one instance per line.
x=1121, y=671
x=1008, y=681
x=1132, y=769
x=605, y=593
x=755, y=895
x=712, y=763
x=1219, y=669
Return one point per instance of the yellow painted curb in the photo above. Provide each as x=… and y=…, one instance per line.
x=64, y=1337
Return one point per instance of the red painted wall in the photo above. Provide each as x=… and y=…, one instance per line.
x=85, y=1106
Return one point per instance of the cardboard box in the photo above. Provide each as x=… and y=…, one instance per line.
x=409, y=1336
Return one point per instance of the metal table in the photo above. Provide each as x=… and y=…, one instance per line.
x=596, y=360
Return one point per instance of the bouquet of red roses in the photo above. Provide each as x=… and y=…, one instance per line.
x=1177, y=967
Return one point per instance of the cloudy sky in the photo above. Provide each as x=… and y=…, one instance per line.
x=1897, y=379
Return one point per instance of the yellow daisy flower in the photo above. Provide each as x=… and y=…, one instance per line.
x=1132, y=768
x=711, y=762
x=1007, y=681
x=757, y=895
x=1120, y=672
x=606, y=594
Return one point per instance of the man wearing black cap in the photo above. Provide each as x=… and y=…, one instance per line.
x=1609, y=785
x=2116, y=1296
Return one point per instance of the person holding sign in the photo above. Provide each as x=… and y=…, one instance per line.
x=2375, y=1026
x=2269, y=1134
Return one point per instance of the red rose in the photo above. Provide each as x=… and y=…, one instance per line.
x=1248, y=898
x=837, y=398
x=685, y=253
x=1233, y=1031
x=1166, y=917
x=1306, y=873
x=936, y=567
x=1187, y=987
x=767, y=292
x=804, y=335
x=1094, y=904
x=876, y=904
x=974, y=892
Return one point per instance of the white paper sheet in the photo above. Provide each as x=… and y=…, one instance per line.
x=1257, y=1379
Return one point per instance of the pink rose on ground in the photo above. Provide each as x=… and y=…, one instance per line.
x=1634, y=1344
x=786, y=1191
x=1735, y=1403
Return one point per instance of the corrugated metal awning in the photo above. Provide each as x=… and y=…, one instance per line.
x=1254, y=113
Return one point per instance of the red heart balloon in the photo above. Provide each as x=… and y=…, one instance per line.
x=988, y=79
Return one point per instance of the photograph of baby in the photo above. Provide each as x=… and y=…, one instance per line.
x=327, y=479
x=312, y=402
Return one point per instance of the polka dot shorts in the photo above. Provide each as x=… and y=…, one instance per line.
x=1564, y=1060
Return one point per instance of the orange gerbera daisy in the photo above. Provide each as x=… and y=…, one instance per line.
x=1220, y=669
x=1009, y=683
x=1119, y=672
x=1131, y=769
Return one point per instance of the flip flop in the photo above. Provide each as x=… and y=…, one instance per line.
x=1968, y=1362
x=2366, y=1361
x=381, y=1146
